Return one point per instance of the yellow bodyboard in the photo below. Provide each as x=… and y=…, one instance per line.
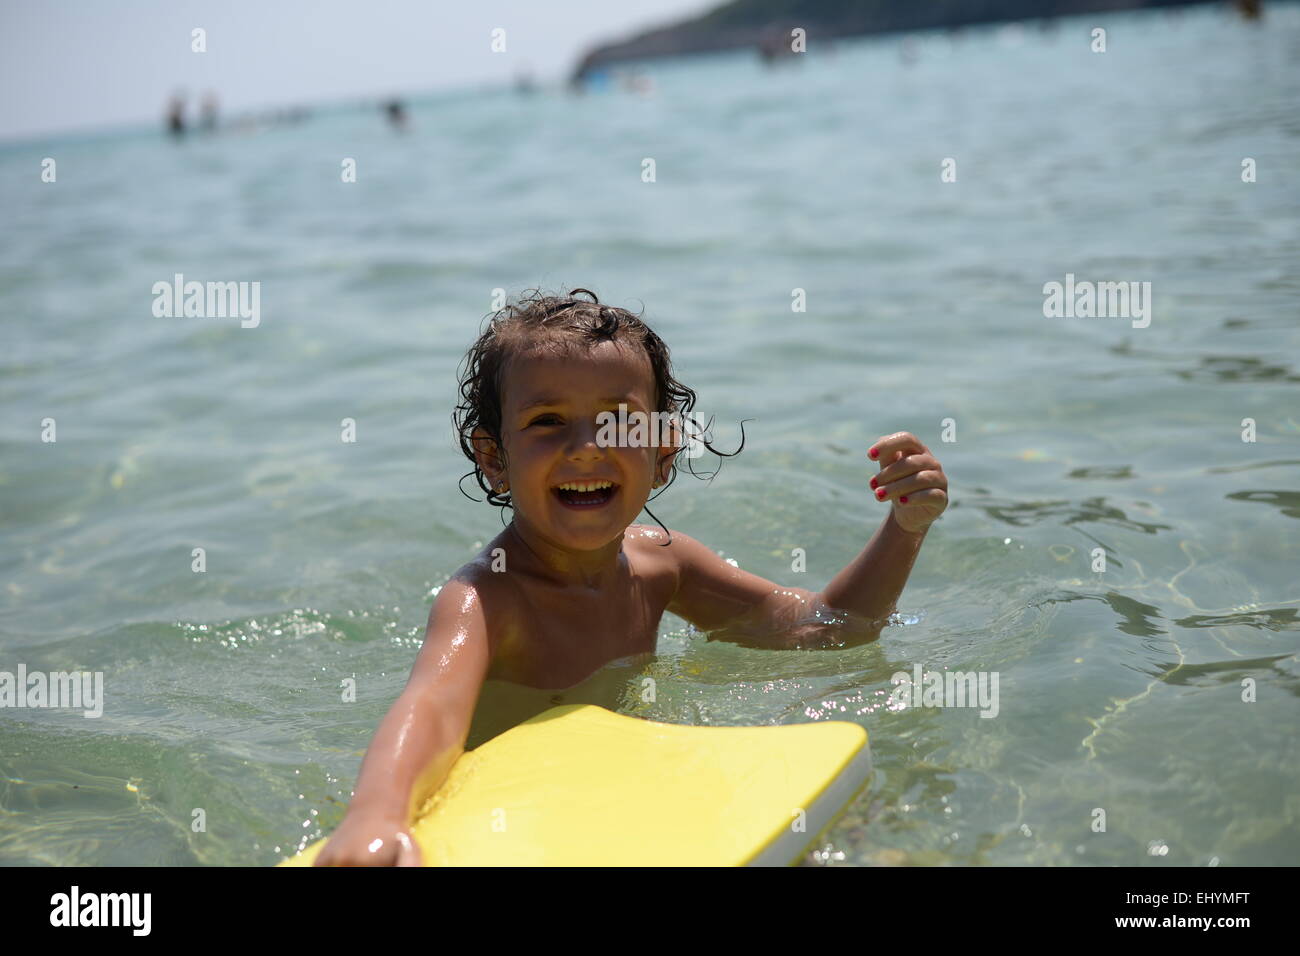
x=579, y=785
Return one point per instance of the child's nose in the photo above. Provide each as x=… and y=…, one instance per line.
x=582, y=440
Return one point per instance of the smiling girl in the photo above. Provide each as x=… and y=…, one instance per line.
x=571, y=583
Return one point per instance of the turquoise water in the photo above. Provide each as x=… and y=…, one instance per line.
x=1120, y=690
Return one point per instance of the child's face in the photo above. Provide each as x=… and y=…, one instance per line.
x=555, y=442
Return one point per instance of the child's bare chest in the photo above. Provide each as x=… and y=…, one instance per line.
x=558, y=638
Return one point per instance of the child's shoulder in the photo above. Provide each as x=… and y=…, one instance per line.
x=645, y=532
x=669, y=550
x=644, y=536
x=671, y=540
x=481, y=590
x=479, y=582
x=483, y=573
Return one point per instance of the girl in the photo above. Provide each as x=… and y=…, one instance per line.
x=571, y=583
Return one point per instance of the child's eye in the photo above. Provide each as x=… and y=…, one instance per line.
x=542, y=419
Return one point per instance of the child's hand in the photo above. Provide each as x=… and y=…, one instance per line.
x=353, y=843
x=911, y=478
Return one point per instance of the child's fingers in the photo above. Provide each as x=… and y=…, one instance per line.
x=909, y=465
x=409, y=852
x=910, y=485
x=911, y=479
x=891, y=447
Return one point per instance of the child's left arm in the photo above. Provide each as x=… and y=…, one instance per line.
x=718, y=597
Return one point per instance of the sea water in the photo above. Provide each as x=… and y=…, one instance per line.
x=201, y=532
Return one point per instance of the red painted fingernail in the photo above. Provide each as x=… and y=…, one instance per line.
x=873, y=482
x=880, y=494
x=903, y=499
x=872, y=453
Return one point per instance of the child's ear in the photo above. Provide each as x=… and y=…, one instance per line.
x=664, y=472
x=488, y=455
x=675, y=442
x=664, y=466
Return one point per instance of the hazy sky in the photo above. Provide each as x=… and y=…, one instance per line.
x=72, y=64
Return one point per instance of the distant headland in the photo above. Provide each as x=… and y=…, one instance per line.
x=766, y=25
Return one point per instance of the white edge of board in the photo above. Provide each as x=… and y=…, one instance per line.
x=789, y=846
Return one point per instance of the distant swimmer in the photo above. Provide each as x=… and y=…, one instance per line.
x=396, y=113
x=774, y=44
x=208, y=112
x=908, y=50
x=176, y=115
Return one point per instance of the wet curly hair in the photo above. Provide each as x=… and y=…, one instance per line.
x=555, y=324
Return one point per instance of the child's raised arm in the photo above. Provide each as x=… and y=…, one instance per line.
x=420, y=739
x=718, y=597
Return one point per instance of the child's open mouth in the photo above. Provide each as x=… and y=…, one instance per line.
x=585, y=494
